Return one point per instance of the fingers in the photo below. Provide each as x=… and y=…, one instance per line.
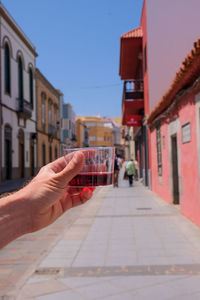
x=83, y=197
x=72, y=168
x=74, y=190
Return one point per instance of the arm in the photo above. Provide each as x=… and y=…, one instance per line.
x=13, y=219
x=42, y=201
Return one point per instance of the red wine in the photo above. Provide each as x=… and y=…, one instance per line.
x=92, y=179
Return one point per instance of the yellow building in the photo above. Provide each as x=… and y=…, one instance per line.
x=48, y=120
x=99, y=133
x=81, y=133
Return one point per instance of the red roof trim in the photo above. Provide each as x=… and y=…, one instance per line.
x=187, y=73
x=134, y=33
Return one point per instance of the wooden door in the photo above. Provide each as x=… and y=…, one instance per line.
x=175, y=177
x=21, y=153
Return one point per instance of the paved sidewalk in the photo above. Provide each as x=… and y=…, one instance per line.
x=125, y=244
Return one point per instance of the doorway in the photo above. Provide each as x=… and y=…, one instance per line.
x=32, y=156
x=175, y=177
x=8, y=152
x=21, y=153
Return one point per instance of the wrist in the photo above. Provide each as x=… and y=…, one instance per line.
x=14, y=218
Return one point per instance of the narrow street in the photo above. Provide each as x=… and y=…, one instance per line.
x=124, y=244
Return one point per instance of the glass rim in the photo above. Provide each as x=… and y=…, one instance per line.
x=90, y=148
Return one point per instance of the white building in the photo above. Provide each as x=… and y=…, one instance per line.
x=17, y=101
x=116, y=132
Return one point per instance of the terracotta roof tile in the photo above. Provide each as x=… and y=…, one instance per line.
x=187, y=73
x=137, y=32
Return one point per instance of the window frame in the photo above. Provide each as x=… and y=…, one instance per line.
x=20, y=79
x=31, y=86
x=159, y=149
x=7, y=73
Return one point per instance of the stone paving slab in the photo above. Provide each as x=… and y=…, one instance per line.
x=19, y=259
x=126, y=243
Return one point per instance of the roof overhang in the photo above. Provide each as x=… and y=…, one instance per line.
x=130, y=49
x=184, y=80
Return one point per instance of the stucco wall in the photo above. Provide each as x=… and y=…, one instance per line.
x=172, y=28
x=10, y=103
x=187, y=159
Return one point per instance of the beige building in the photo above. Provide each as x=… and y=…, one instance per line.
x=81, y=133
x=99, y=134
x=48, y=120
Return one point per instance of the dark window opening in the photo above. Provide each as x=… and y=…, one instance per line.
x=31, y=86
x=20, y=79
x=43, y=154
x=159, y=150
x=7, y=69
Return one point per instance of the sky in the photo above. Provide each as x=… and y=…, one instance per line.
x=78, y=46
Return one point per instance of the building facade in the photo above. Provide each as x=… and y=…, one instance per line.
x=99, y=132
x=48, y=120
x=82, y=134
x=149, y=57
x=17, y=101
x=175, y=139
x=68, y=126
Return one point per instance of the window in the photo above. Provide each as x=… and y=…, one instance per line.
x=66, y=133
x=90, y=124
x=43, y=154
x=50, y=154
x=31, y=86
x=56, y=152
x=20, y=79
x=50, y=115
x=43, y=115
x=159, y=150
x=55, y=117
x=7, y=69
x=43, y=108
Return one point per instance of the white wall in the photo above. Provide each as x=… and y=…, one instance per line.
x=172, y=28
x=10, y=116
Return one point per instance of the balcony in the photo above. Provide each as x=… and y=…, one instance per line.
x=133, y=89
x=132, y=99
x=24, y=109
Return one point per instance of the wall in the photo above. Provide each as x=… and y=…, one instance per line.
x=9, y=115
x=172, y=27
x=187, y=159
x=43, y=86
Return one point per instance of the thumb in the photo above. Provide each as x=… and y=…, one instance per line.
x=72, y=168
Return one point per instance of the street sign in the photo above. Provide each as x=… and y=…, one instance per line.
x=133, y=120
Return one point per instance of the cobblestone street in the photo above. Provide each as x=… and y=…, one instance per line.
x=126, y=243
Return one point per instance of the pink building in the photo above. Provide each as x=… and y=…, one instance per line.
x=150, y=56
x=175, y=139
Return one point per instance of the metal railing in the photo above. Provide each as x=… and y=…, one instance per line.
x=24, y=108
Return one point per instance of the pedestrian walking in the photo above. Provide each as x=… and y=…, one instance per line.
x=116, y=171
x=130, y=169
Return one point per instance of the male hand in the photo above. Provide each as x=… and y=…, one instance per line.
x=48, y=196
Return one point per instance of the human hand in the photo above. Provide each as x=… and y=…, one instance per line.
x=48, y=196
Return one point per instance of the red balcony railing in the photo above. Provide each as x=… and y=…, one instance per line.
x=133, y=89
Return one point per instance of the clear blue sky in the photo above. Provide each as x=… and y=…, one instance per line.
x=78, y=46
